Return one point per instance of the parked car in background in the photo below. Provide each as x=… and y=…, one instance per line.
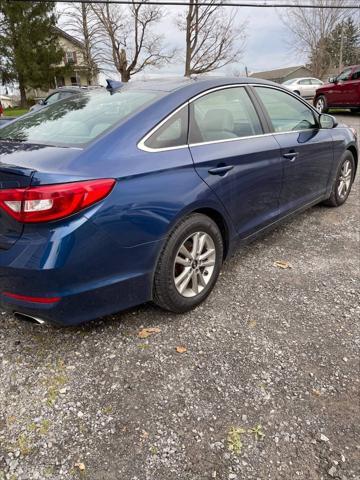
x=342, y=91
x=112, y=199
x=60, y=94
x=305, y=87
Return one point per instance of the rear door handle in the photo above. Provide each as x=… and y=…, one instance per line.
x=292, y=156
x=221, y=170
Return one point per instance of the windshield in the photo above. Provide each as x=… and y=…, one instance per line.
x=289, y=82
x=78, y=120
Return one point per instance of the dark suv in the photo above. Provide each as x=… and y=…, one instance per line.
x=342, y=91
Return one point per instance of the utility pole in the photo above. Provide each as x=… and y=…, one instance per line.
x=341, y=48
x=246, y=71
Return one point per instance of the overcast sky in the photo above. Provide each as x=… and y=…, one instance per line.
x=267, y=45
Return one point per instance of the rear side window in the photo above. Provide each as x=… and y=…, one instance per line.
x=173, y=133
x=356, y=74
x=306, y=81
x=285, y=111
x=314, y=81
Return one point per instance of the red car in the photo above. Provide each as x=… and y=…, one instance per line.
x=343, y=91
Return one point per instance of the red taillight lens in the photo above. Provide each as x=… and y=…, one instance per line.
x=52, y=202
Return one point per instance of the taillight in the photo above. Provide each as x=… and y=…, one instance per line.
x=52, y=202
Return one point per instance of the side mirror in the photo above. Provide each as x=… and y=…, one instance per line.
x=42, y=102
x=332, y=80
x=327, y=121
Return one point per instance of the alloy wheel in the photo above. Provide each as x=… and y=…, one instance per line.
x=345, y=177
x=194, y=264
x=320, y=104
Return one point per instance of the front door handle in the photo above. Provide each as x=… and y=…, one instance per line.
x=292, y=156
x=221, y=170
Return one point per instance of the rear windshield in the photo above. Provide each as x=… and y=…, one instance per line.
x=76, y=121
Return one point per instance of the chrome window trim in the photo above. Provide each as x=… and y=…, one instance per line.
x=141, y=144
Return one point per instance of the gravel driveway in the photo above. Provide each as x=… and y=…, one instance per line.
x=268, y=387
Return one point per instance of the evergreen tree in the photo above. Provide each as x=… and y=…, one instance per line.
x=347, y=33
x=29, y=50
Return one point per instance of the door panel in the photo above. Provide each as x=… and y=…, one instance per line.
x=306, y=173
x=307, y=151
x=231, y=154
x=250, y=190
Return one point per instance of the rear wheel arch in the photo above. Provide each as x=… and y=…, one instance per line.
x=354, y=152
x=220, y=221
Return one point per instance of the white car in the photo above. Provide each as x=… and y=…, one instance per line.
x=305, y=87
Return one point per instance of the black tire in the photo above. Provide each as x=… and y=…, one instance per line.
x=335, y=200
x=321, y=98
x=165, y=293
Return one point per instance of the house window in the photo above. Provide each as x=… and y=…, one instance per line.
x=73, y=81
x=70, y=57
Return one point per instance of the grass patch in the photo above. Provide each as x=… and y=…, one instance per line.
x=234, y=439
x=15, y=112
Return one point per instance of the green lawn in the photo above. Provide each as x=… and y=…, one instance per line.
x=15, y=112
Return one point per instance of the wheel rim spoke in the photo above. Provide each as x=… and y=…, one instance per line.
x=195, y=248
x=206, y=255
x=182, y=261
x=185, y=252
x=194, y=280
x=185, y=280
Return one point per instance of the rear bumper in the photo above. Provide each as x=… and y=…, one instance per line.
x=67, y=263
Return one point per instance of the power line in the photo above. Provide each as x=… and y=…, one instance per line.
x=264, y=4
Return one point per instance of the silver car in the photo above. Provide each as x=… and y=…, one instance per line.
x=305, y=87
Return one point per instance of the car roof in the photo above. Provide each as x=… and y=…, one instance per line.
x=172, y=84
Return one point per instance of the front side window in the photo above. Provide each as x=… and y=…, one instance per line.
x=223, y=115
x=79, y=119
x=173, y=133
x=314, y=81
x=53, y=98
x=306, y=81
x=285, y=111
x=345, y=75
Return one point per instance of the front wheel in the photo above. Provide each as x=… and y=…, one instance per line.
x=343, y=181
x=189, y=264
x=321, y=104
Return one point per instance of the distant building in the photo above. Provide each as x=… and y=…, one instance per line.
x=73, y=58
x=6, y=101
x=280, y=75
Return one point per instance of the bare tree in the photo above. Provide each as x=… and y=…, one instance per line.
x=130, y=39
x=80, y=21
x=212, y=40
x=311, y=29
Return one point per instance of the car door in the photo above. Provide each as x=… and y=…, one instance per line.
x=354, y=88
x=315, y=84
x=234, y=157
x=306, y=149
x=305, y=87
x=340, y=93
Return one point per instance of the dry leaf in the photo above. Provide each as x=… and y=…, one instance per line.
x=80, y=466
x=317, y=392
x=181, y=349
x=282, y=264
x=252, y=323
x=146, y=332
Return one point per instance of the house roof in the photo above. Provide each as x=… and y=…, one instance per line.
x=278, y=73
x=62, y=33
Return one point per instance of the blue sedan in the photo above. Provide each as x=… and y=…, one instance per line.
x=112, y=199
